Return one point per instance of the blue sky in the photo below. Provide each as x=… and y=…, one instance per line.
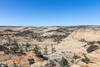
x=49, y=12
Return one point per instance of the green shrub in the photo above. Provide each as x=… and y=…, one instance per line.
x=91, y=43
x=85, y=60
x=98, y=42
x=15, y=65
x=92, y=48
x=63, y=62
x=37, y=51
x=2, y=48
x=27, y=45
x=76, y=57
x=82, y=40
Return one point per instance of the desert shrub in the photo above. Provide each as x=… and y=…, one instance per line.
x=14, y=47
x=20, y=52
x=2, y=48
x=24, y=33
x=82, y=40
x=91, y=43
x=63, y=62
x=98, y=42
x=27, y=45
x=8, y=30
x=31, y=61
x=85, y=60
x=76, y=57
x=37, y=51
x=92, y=48
x=15, y=65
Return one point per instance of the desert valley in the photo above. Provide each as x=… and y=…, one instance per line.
x=55, y=46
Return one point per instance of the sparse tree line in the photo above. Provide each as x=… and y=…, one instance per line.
x=40, y=38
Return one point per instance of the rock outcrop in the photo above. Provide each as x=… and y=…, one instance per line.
x=89, y=34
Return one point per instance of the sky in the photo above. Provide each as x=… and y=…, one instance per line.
x=49, y=12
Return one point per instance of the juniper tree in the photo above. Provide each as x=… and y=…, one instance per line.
x=37, y=51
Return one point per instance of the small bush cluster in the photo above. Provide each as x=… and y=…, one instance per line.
x=85, y=60
x=91, y=43
x=63, y=62
x=92, y=48
x=37, y=51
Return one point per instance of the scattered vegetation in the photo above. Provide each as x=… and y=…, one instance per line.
x=31, y=61
x=85, y=60
x=98, y=42
x=27, y=45
x=37, y=51
x=8, y=30
x=92, y=48
x=12, y=48
x=2, y=48
x=82, y=40
x=91, y=43
x=63, y=62
x=15, y=65
x=76, y=57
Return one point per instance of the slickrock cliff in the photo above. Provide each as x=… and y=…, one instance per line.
x=89, y=34
x=77, y=43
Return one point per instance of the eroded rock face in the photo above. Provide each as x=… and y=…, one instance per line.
x=74, y=45
x=89, y=34
x=68, y=48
